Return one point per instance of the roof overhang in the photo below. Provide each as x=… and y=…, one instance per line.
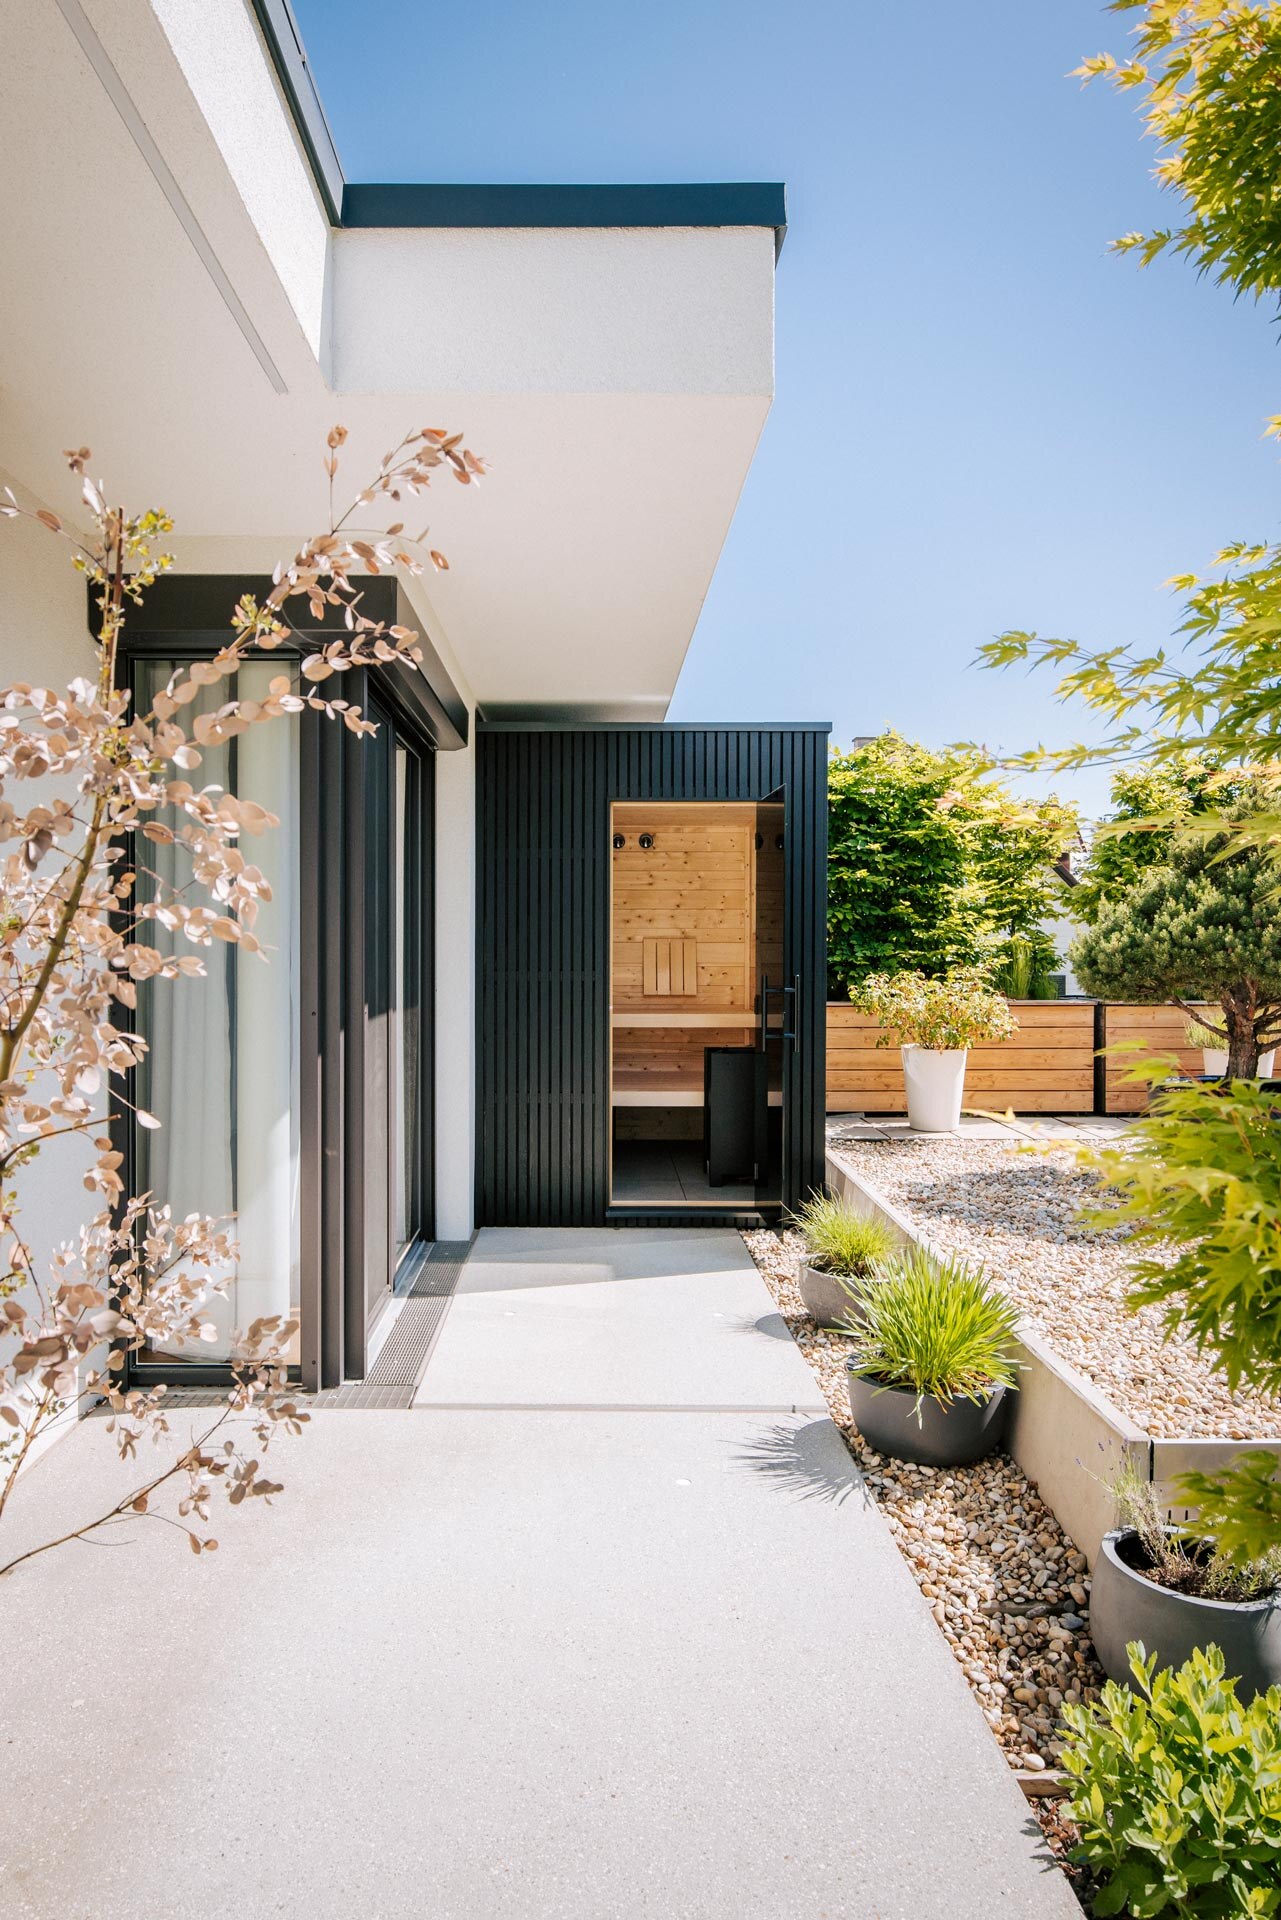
x=189, y=308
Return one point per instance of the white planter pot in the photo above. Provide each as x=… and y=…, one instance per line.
x=1215, y=1060
x=935, y=1080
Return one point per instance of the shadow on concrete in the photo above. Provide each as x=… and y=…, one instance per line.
x=810, y=1462
x=589, y=1256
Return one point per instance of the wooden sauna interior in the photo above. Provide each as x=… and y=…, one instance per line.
x=684, y=977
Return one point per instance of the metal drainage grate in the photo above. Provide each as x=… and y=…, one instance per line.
x=398, y=1367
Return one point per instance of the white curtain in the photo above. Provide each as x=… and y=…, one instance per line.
x=222, y=1071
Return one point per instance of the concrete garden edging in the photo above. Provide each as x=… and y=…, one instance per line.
x=1067, y=1437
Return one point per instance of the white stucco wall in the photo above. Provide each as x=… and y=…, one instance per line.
x=672, y=310
x=219, y=49
x=44, y=640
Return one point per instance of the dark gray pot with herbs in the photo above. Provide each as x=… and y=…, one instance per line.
x=933, y=1364
x=842, y=1247
x=1174, y=1593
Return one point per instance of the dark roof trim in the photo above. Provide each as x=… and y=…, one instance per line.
x=653, y=726
x=293, y=70
x=682, y=204
x=404, y=204
x=189, y=613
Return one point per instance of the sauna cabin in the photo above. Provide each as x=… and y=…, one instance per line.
x=651, y=973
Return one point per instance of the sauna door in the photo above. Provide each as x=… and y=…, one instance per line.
x=775, y=996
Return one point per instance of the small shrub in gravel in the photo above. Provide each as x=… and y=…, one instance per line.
x=1178, y=1793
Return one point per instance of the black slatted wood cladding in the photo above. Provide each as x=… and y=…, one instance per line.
x=543, y=945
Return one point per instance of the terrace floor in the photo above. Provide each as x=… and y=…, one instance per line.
x=1023, y=1126
x=603, y=1626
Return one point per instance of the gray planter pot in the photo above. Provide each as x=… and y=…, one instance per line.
x=1125, y=1606
x=949, y=1434
x=825, y=1296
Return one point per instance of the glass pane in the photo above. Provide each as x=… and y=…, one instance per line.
x=406, y=1117
x=221, y=1073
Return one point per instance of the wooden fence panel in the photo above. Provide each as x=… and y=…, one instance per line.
x=1046, y=1067
x=1161, y=1029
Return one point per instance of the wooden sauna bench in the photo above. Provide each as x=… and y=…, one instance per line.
x=683, y=960
x=641, y=1084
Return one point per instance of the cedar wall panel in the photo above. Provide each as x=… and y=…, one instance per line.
x=543, y=944
x=1046, y=1067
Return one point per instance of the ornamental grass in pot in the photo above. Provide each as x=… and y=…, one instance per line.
x=935, y=1022
x=842, y=1247
x=934, y=1364
x=1214, y=1056
x=1176, y=1592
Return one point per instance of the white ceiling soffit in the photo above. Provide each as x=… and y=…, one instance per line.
x=177, y=299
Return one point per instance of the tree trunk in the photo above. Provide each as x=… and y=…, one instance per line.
x=1243, y=1045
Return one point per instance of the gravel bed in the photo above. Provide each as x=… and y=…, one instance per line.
x=1007, y=1587
x=1015, y=1210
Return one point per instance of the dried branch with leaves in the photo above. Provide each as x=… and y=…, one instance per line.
x=85, y=783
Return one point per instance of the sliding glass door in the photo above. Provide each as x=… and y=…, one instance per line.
x=395, y=968
x=221, y=1069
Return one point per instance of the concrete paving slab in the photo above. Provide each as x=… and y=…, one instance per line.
x=524, y=1666
x=641, y=1318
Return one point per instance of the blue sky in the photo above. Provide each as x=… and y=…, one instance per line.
x=982, y=419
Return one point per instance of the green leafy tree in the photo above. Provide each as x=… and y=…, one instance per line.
x=934, y=864
x=1207, y=77
x=1202, y=927
x=1151, y=803
x=1208, y=80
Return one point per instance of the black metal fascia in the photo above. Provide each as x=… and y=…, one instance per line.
x=680, y=204
x=190, y=614
x=652, y=726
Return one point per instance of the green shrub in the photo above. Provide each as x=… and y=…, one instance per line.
x=1198, y=1182
x=841, y=1241
x=957, y=1011
x=934, y=863
x=1178, y=1793
x=938, y=1327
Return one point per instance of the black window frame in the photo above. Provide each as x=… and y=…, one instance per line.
x=185, y=618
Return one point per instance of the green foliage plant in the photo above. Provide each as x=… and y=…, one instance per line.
x=1204, y=926
x=958, y=1011
x=840, y=1241
x=1197, y=1034
x=934, y=863
x=1198, y=1182
x=1207, y=75
x=1177, y=1793
x=1151, y=802
x=937, y=1327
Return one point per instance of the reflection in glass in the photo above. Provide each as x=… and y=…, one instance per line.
x=221, y=1073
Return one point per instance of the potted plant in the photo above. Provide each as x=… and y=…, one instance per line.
x=1176, y=1592
x=934, y=1365
x=1214, y=1058
x=936, y=1022
x=841, y=1248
